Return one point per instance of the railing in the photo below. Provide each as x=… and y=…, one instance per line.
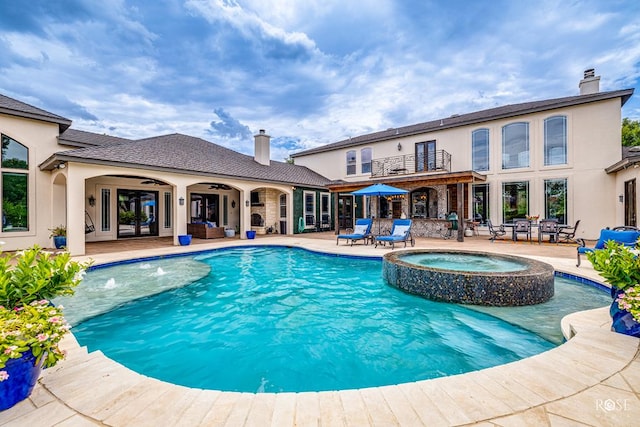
x=410, y=164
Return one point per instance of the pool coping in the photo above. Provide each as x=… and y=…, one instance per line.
x=593, y=378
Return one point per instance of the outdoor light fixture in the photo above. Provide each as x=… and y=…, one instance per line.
x=181, y=201
x=60, y=166
x=246, y=203
x=233, y=204
x=621, y=198
x=92, y=200
x=399, y=147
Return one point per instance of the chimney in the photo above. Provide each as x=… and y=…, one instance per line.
x=262, y=148
x=590, y=83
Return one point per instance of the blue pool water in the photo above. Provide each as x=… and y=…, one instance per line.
x=274, y=319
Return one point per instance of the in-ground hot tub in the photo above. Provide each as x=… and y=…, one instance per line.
x=469, y=277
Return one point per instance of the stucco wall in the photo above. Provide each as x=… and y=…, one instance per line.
x=40, y=139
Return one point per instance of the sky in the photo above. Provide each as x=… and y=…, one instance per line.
x=309, y=72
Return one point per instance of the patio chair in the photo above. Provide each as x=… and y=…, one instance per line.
x=550, y=227
x=625, y=237
x=568, y=234
x=362, y=231
x=400, y=232
x=522, y=227
x=495, y=232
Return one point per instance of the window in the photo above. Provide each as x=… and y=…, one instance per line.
x=515, y=200
x=15, y=189
x=481, y=203
x=515, y=145
x=555, y=141
x=325, y=219
x=351, y=162
x=555, y=199
x=105, y=209
x=15, y=212
x=480, y=150
x=365, y=158
x=283, y=206
x=168, y=208
x=309, y=209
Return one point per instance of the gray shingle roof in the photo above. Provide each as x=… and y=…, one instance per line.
x=454, y=121
x=187, y=154
x=80, y=138
x=17, y=108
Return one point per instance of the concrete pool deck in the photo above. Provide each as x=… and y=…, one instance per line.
x=593, y=379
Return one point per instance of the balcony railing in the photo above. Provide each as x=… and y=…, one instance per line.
x=411, y=164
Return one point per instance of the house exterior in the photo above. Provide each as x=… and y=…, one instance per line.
x=106, y=188
x=557, y=158
x=545, y=158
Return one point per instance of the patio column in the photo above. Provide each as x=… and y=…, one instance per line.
x=460, y=209
x=181, y=204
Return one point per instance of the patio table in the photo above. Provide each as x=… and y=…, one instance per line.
x=512, y=226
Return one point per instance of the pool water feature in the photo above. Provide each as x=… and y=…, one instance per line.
x=274, y=319
x=466, y=277
x=467, y=261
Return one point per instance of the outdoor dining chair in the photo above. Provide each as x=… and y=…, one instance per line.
x=550, y=227
x=568, y=234
x=522, y=227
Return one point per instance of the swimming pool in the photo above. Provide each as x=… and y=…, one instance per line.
x=322, y=323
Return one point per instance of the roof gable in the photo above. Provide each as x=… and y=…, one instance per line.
x=13, y=107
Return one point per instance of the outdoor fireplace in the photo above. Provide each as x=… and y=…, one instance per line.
x=257, y=220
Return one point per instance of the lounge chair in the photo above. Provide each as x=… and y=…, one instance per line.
x=362, y=231
x=495, y=232
x=626, y=237
x=400, y=232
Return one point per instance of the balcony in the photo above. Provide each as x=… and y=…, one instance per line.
x=439, y=161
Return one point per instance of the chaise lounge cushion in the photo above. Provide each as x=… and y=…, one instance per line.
x=626, y=237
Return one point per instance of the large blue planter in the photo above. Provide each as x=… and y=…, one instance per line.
x=60, y=241
x=184, y=239
x=23, y=375
x=251, y=234
x=622, y=321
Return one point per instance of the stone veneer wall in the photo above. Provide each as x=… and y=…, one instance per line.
x=270, y=211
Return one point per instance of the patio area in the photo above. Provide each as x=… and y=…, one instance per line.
x=593, y=379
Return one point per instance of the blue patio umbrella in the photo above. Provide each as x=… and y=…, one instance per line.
x=379, y=190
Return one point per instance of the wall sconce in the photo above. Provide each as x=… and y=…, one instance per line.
x=293, y=188
x=181, y=201
x=246, y=203
x=92, y=200
x=621, y=198
x=60, y=166
x=399, y=147
x=233, y=204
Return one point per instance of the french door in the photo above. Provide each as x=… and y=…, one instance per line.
x=345, y=212
x=137, y=213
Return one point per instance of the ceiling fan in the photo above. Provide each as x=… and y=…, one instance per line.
x=219, y=187
x=152, y=181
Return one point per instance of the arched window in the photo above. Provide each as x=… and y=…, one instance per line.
x=555, y=140
x=365, y=159
x=15, y=191
x=515, y=145
x=480, y=150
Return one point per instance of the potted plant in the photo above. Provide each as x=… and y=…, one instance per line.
x=31, y=328
x=59, y=235
x=619, y=266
